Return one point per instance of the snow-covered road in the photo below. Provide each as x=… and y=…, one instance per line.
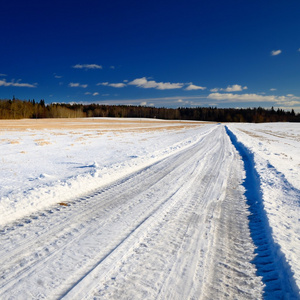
x=183, y=226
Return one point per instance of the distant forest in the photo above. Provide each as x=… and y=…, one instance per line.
x=21, y=109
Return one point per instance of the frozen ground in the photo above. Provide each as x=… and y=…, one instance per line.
x=149, y=209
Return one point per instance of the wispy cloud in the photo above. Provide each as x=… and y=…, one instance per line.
x=3, y=82
x=115, y=85
x=231, y=88
x=76, y=84
x=103, y=83
x=3, y=75
x=93, y=94
x=287, y=100
x=192, y=87
x=239, y=97
x=214, y=99
x=272, y=90
x=57, y=76
x=87, y=66
x=144, y=83
x=275, y=52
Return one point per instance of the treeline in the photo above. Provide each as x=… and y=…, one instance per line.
x=19, y=109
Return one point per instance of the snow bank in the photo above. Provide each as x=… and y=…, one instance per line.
x=275, y=148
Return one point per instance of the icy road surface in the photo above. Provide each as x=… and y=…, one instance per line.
x=196, y=220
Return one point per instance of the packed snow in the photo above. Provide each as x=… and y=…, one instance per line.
x=38, y=167
x=276, y=154
x=149, y=209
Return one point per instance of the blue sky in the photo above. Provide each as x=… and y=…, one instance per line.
x=162, y=53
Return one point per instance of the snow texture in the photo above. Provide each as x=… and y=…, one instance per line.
x=205, y=211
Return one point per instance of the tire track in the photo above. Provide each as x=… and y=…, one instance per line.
x=83, y=207
x=175, y=265
x=231, y=273
x=51, y=233
x=136, y=239
x=270, y=262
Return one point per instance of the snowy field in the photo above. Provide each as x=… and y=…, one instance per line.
x=149, y=209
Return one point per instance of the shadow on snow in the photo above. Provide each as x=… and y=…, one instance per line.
x=270, y=262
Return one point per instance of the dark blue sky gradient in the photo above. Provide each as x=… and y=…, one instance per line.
x=212, y=44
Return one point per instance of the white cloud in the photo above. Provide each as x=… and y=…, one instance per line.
x=3, y=75
x=143, y=103
x=87, y=66
x=102, y=83
x=183, y=102
x=275, y=52
x=144, y=83
x=3, y=82
x=57, y=76
x=231, y=88
x=73, y=84
x=288, y=100
x=117, y=85
x=94, y=94
x=192, y=87
x=243, y=97
x=272, y=90
x=235, y=88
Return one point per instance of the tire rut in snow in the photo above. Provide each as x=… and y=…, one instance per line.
x=147, y=236
x=270, y=262
x=97, y=223
x=80, y=209
x=229, y=273
x=168, y=262
x=171, y=259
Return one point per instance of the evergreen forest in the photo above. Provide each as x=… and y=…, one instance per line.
x=21, y=109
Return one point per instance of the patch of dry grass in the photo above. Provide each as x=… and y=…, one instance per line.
x=98, y=124
x=9, y=141
x=281, y=135
x=42, y=142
